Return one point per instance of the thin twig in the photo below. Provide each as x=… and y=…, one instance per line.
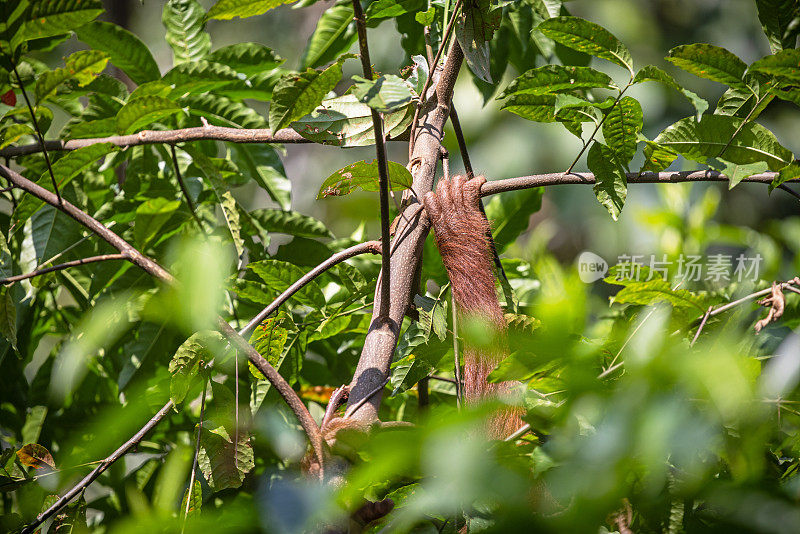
x=702, y=324
x=456, y=355
x=184, y=190
x=383, y=166
x=197, y=452
x=97, y=471
x=597, y=127
x=354, y=408
x=39, y=134
x=372, y=247
x=61, y=267
x=521, y=431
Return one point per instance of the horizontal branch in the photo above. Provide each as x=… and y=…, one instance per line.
x=150, y=137
x=373, y=247
x=559, y=178
x=62, y=266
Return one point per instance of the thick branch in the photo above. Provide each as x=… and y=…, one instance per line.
x=149, y=137
x=379, y=345
x=154, y=269
x=62, y=266
x=373, y=247
x=97, y=471
x=586, y=178
x=383, y=166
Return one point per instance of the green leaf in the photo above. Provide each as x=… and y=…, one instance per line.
x=221, y=111
x=269, y=339
x=192, y=506
x=710, y=62
x=126, y=51
x=65, y=169
x=13, y=132
x=263, y=164
x=657, y=157
x=346, y=122
x=363, y=175
x=736, y=173
x=186, y=34
x=199, y=76
x=52, y=231
x=790, y=172
x=8, y=317
x=228, y=9
x=247, y=58
x=658, y=290
x=426, y=18
x=749, y=102
x=621, y=128
x=143, y=111
x=432, y=315
x=779, y=21
x=225, y=455
x=289, y=222
x=707, y=139
x=587, y=37
x=611, y=185
x=224, y=197
x=334, y=35
x=542, y=108
x=151, y=215
x=474, y=30
x=417, y=355
x=386, y=94
x=279, y=275
x=555, y=79
x=510, y=214
x=82, y=66
x=385, y=9
x=184, y=365
x=33, y=423
x=296, y=95
x=785, y=64
x=651, y=73
x=55, y=17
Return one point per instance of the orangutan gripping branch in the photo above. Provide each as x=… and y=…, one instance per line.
x=462, y=236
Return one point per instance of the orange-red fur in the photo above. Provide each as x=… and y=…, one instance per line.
x=462, y=235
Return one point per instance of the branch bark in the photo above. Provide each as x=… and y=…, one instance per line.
x=150, y=137
x=559, y=178
x=61, y=267
x=379, y=345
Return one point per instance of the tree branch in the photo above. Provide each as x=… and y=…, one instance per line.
x=383, y=166
x=559, y=178
x=373, y=247
x=97, y=471
x=149, y=137
x=62, y=266
x=154, y=269
x=380, y=342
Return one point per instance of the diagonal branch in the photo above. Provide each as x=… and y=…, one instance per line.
x=383, y=166
x=373, y=247
x=154, y=269
x=380, y=342
x=61, y=267
x=97, y=471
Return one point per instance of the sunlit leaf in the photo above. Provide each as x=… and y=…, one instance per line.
x=125, y=49
x=36, y=456
x=587, y=37
x=557, y=78
x=186, y=34
x=611, y=185
x=228, y=9
x=363, y=175
x=334, y=35
x=143, y=111
x=651, y=73
x=386, y=94
x=621, y=128
x=710, y=62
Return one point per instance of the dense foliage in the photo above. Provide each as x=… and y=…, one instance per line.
x=665, y=411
